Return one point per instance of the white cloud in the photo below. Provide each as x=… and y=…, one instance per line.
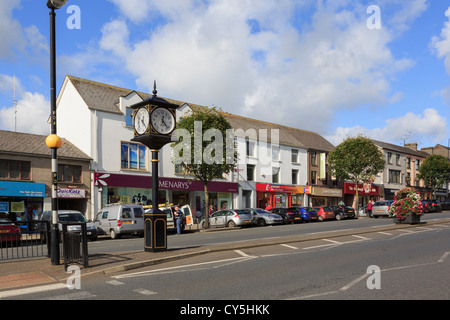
x=32, y=109
x=10, y=29
x=249, y=58
x=441, y=44
x=428, y=128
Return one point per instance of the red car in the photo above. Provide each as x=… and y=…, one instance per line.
x=9, y=232
x=325, y=213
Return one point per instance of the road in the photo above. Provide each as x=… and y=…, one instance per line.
x=107, y=245
x=394, y=265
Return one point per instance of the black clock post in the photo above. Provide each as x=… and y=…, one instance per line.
x=154, y=122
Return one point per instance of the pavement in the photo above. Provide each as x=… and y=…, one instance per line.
x=40, y=271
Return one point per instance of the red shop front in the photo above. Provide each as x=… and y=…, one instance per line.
x=279, y=196
x=366, y=192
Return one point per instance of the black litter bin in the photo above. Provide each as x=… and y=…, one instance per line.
x=155, y=230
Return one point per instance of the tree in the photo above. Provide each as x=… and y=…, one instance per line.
x=206, y=147
x=435, y=172
x=356, y=159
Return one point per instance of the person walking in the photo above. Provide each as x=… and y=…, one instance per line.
x=370, y=208
x=178, y=216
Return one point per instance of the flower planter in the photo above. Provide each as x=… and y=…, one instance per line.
x=409, y=219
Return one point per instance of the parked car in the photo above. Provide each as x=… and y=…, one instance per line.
x=262, y=217
x=229, y=218
x=289, y=215
x=71, y=216
x=427, y=207
x=9, y=232
x=436, y=205
x=120, y=219
x=325, y=213
x=308, y=214
x=187, y=216
x=445, y=205
x=344, y=212
x=381, y=208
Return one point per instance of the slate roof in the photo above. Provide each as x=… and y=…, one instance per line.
x=400, y=149
x=104, y=97
x=20, y=143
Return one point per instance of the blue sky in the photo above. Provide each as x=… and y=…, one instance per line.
x=310, y=64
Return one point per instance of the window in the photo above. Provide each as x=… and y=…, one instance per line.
x=417, y=164
x=313, y=158
x=15, y=170
x=69, y=173
x=275, y=175
x=133, y=156
x=250, y=147
x=294, y=156
x=394, y=176
x=275, y=152
x=313, y=177
x=389, y=158
x=250, y=172
x=397, y=159
x=408, y=163
x=129, y=117
x=294, y=177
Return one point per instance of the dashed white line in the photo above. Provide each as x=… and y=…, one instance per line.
x=145, y=292
x=289, y=246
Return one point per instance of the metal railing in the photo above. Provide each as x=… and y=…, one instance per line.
x=28, y=242
x=75, y=247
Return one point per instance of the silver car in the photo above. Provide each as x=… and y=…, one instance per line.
x=381, y=208
x=229, y=218
x=262, y=217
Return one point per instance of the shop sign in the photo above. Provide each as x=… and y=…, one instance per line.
x=278, y=188
x=133, y=181
x=327, y=192
x=22, y=189
x=4, y=207
x=371, y=190
x=71, y=193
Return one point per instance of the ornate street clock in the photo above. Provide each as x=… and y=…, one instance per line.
x=154, y=123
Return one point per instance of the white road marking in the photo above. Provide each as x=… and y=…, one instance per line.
x=289, y=246
x=19, y=292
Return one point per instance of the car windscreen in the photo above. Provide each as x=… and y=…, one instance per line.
x=71, y=217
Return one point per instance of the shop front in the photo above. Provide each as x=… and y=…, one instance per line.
x=322, y=196
x=21, y=201
x=138, y=189
x=366, y=192
x=279, y=196
x=72, y=199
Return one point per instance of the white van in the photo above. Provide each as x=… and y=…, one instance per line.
x=168, y=210
x=119, y=219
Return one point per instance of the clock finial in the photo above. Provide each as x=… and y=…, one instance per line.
x=154, y=89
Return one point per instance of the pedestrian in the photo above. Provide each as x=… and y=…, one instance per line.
x=369, y=208
x=178, y=216
x=211, y=210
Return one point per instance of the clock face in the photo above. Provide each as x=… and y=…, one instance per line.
x=141, y=120
x=163, y=121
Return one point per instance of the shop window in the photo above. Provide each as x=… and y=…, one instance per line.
x=68, y=173
x=133, y=156
x=15, y=170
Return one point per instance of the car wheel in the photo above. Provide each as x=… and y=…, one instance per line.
x=338, y=217
x=205, y=225
x=231, y=224
x=320, y=218
x=261, y=222
x=114, y=235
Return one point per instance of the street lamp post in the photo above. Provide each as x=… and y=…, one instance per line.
x=53, y=141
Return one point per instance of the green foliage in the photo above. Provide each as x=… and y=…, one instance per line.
x=356, y=159
x=435, y=171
